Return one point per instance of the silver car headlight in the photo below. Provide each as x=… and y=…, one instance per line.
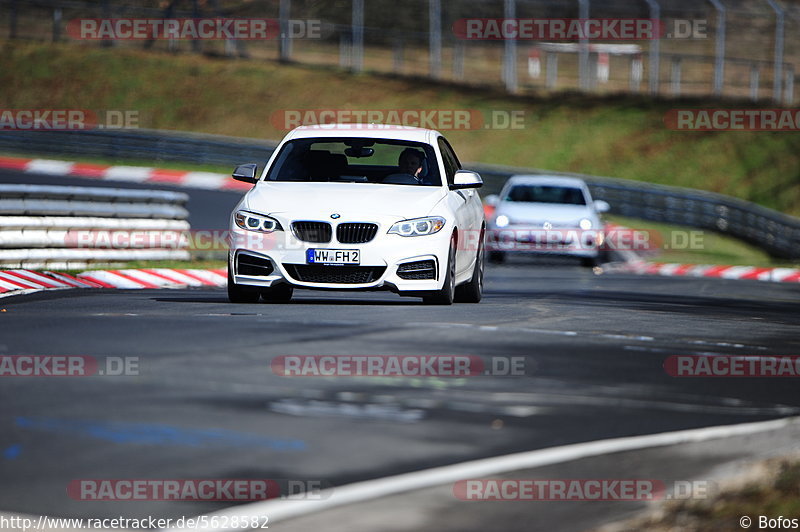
x=260, y=223
x=502, y=221
x=418, y=226
x=585, y=224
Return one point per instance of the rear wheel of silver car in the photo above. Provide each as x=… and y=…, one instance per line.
x=472, y=291
x=240, y=294
x=281, y=293
x=446, y=294
x=497, y=257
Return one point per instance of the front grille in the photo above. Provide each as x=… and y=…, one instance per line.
x=423, y=269
x=355, y=233
x=311, y=273
x=250, y=265
x=318, y=232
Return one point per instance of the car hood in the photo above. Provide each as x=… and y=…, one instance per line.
x=314, y=200
x=519, y=212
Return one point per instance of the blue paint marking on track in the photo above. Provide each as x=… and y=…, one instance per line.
x=157, y=434
x=12, y=452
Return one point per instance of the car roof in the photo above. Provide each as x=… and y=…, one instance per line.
x=372, y=131
x=552, y=180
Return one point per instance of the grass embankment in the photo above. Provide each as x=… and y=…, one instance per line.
x=776, y=494
x=612, y=136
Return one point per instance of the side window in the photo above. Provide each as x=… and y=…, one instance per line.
x=451, y=164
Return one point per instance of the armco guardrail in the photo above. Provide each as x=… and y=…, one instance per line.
x=776, y=233
x=154, y=145
x=73, y=227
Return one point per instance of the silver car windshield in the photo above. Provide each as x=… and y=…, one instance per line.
x=545, y=194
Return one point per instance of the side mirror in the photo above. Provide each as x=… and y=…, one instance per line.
x=601, y=206
x=466, y=179
x=492, y=200
x=246, y=173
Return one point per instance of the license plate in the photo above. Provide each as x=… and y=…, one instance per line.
x=333, y=256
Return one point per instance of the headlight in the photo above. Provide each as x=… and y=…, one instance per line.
x=256, y=222
x=501, y=221
x=585, y=224
x=418, y=226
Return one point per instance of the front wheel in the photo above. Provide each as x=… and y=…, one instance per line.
x=240, y=294
x=446, y=294
x=281, y=293
x=472, y=291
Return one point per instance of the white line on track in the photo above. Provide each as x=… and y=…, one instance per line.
x=284, y=509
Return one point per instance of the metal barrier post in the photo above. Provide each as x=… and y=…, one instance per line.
x=654, y=53
x=719, y=62
x=285, y=41
x=435, y=38
x=583, y=54
x=358, y=35
x=754, y=75
x=676, y=76
x=778, y=69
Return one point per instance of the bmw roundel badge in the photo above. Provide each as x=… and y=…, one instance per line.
x=335, y=216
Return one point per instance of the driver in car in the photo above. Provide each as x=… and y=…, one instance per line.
x=409, y=167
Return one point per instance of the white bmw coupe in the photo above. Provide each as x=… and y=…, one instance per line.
x=358, y=207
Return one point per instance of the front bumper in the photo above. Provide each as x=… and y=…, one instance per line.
x=378, y=268
x=561, y=241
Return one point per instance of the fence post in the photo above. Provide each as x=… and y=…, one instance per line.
x=345, y=51
x=510, y=51
x=583, y=53
x=458, y=59
x=12, y=20
x=552, y=69
x=435, y=38
x=358, y=35
x=195, y=15
x=636, y=72
x=719, y=62
x=285, y=41
x=777, y=74
x=107, y=15
x=397, y=63
x=654, y=54
x=57, y=24
x=676, y=76
x=754, y=82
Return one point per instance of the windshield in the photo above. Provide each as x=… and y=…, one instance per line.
x=356, y=160
x=545, y=194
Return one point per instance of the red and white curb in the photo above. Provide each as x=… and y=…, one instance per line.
x=15, y=282
x=134, y=174
x=783, y=275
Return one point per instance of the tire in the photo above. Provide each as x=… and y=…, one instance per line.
x=281, y=293
x=497, y=257
x=472, y=291
x=240, y=294
x=590, y=262
x=446, y=294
